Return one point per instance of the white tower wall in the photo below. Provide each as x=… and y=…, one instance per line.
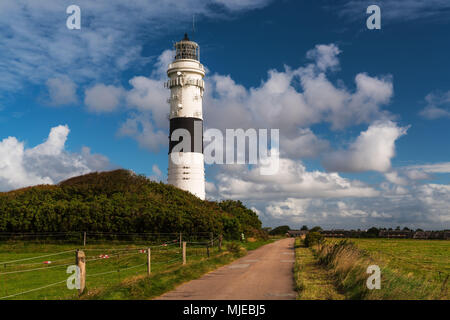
x=186, y=169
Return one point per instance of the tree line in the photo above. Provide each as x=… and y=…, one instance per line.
x=121, y=201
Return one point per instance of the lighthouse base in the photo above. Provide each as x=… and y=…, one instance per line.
x=187, y=172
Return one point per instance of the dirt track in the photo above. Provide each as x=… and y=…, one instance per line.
x=263, y=274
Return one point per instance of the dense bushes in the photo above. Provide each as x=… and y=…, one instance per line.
x=281, y=230
x=313, y=238
x=247, y=220
x=120, y=201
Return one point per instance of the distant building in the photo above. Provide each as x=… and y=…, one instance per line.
x=297, y=233
x=401, y=234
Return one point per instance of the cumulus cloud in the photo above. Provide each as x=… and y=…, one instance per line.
x=61, y=91
x=103, y=98
x=372, y=150
x=305, y=145
x=279, y=103
x=292, y=180
x=423, y=206
x=325, y=56
x=140, y=128
x=395, y=178
x=148, y=95
x=46, y=163
x=107, y=44
x=438, y=106
x=296, y=196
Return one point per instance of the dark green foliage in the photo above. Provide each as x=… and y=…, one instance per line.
x=316, y=229
x=281, y=230
x=313, y=238
x=247, y=220
x=120, y=201
x=372, y=232
x=304, y=228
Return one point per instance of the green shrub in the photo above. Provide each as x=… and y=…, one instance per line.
x=234, y=248
x=121, y=201
x=313, y=238
x=281, y=230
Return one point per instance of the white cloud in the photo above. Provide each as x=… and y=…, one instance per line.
x=415, y=174
x=157, y=174
x=156, y=170
x=442, y=167
x=279, y=103
x=393, y=10
x=423, y=206
x=61, y=91
x=305, y=145
x=372, y=150
x=395, y=178
x=292, y=180
x=149, y=95
x=46, y=163
x=276, y=103
x=325, y=56
x=35, y=44
x=102, y=98
x=411, y=175
x=140, y=128
x=438, y=106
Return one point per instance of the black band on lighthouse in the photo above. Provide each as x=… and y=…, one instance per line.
x=195, y=128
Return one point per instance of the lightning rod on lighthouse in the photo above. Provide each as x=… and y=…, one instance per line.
x=186, y=167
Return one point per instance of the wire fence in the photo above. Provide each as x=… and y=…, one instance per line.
x=20, y=277
x=87, y=237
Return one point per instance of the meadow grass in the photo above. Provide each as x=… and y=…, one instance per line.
x=410, y=269
x=413, y=258
x=312, y=281
x=104, y=276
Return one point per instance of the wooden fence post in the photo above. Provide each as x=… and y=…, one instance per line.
x=184, y=252
x=84, y=239
x=149, y=266
x=220, y=243
x=207, y=250
x=181, y=238
x=81, y=263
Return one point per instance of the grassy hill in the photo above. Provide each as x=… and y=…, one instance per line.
x=120, y=201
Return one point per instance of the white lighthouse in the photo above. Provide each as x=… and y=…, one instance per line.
x=186, y=167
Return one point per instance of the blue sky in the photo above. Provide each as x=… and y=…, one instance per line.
x=363, y=114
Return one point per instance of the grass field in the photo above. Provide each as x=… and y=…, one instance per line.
x=126, y=264
x=428, y=259
x=410, y=269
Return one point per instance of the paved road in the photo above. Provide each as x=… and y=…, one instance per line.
x=263, y=274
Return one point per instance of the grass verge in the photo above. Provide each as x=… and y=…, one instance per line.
x=312, y=281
